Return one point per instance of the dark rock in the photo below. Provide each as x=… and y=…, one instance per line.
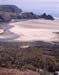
x=31, y=15
x=28, y=15
x=50, y=17
x=8, y=12
x=45, y=16
x=1, y=19
x=5, y=18
x=10, y=8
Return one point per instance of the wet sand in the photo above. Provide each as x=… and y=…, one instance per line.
x=31, y=30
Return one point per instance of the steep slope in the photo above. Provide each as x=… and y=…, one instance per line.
x=10, y=8
x=7, y=12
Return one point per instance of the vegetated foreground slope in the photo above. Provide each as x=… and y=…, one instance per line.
x=16, y=53
x=12, y=55
x=6, y=71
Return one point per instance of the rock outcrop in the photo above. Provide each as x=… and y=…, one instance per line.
x=28, y=15
x=31, y=15
x=10, y=8
x=7, y=12
x=45, y=16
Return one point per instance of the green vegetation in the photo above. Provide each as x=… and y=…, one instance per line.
x=33, y=58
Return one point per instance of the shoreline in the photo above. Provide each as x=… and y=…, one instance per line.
x=31, y=30
x=31, y=43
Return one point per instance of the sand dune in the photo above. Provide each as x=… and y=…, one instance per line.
x=31, y=30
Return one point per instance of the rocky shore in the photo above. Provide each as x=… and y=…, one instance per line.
x=9, y=12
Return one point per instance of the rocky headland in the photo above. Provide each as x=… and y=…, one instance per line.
x=9, y=12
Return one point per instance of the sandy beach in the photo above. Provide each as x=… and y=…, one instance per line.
x=30, y=30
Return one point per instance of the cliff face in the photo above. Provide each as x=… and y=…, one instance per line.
x=31, y=15
x=10, y=8
x=7, y=12
x=45, y=16
x=27, y=15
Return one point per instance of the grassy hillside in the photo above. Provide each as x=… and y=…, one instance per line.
x=32, y=58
